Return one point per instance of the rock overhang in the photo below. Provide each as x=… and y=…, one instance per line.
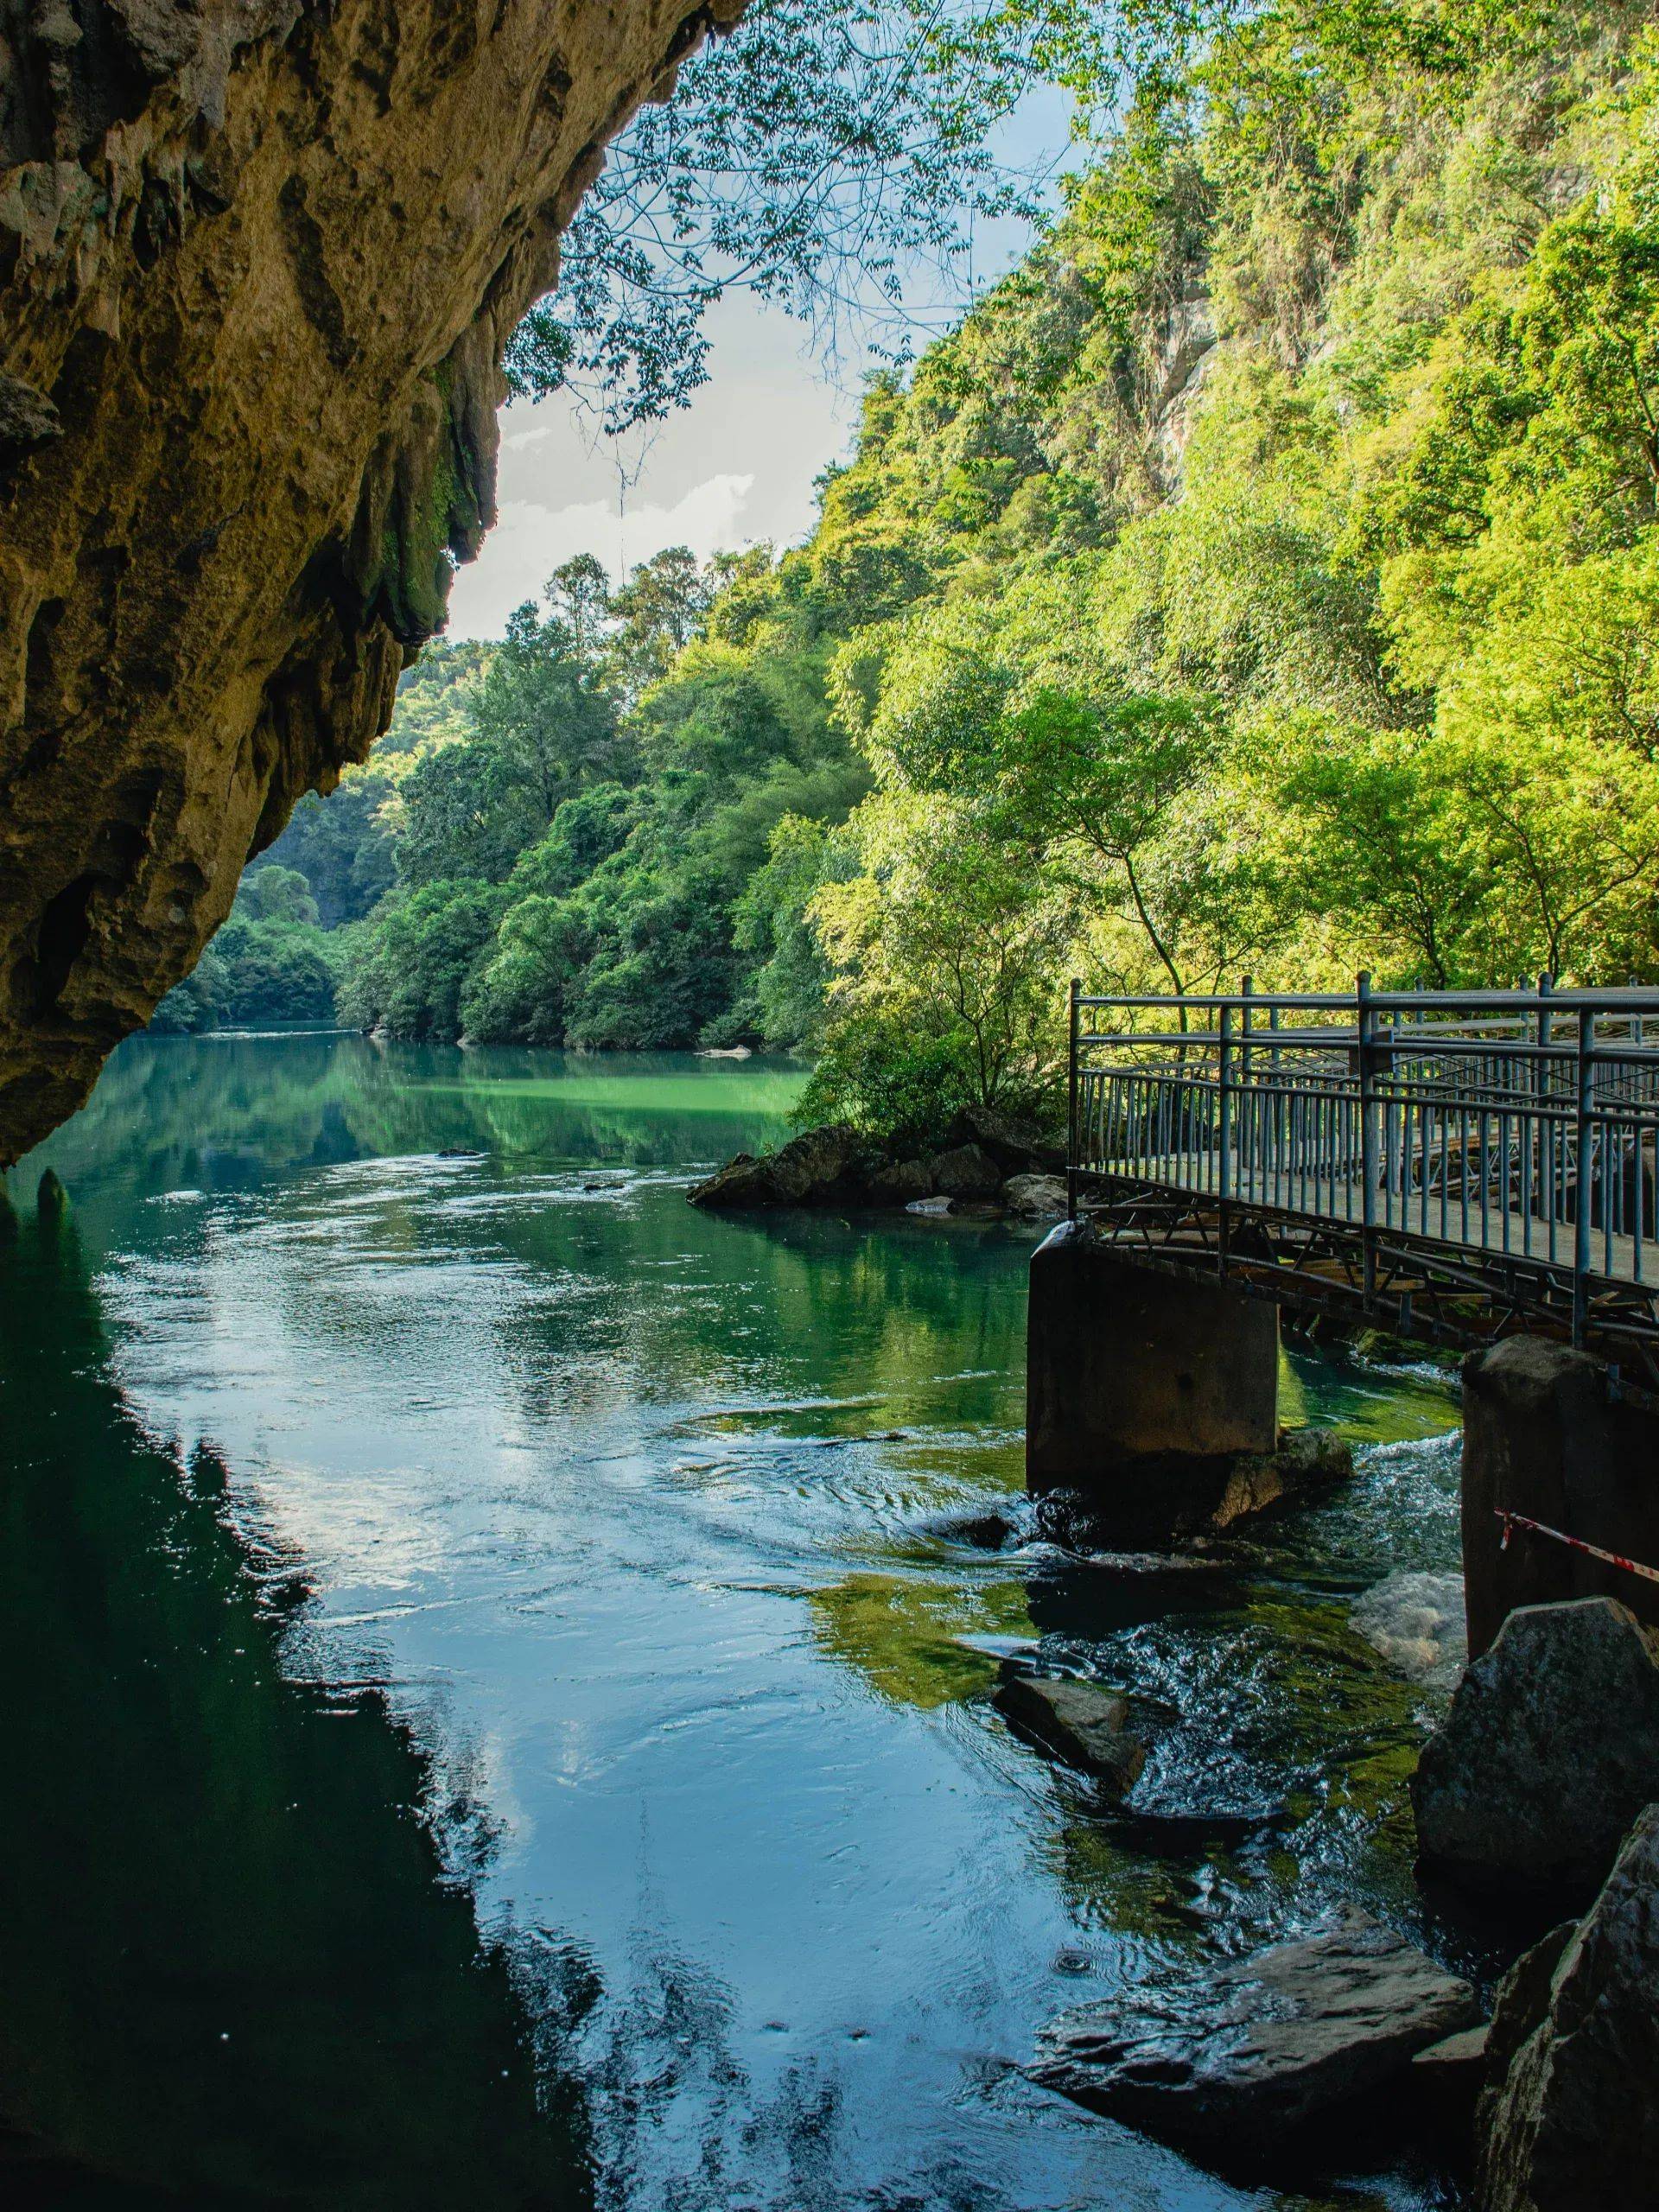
x=259, y=261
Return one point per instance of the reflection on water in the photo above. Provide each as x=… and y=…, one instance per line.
x=679, y=1551
x=232, y=1959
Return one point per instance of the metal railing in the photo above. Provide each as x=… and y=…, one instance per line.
x=1513, y=1128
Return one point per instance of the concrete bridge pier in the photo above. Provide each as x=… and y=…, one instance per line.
x=1546, y=1434
x=1144, y=1386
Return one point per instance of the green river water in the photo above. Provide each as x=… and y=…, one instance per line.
x=496, y=1667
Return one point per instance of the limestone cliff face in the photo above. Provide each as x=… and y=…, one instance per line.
x=258, y=260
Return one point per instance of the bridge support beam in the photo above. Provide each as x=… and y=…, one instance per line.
x=1544, y=1436
x=1143, y=1386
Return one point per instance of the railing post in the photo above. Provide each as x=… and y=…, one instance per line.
x=1364, y=1020
x=1246, y=1134
x=1545, y=1127
x=1586, y=1067
x=1071, y=1131
x=1224, y=1087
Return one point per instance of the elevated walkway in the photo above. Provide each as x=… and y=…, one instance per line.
x=1459, y=1165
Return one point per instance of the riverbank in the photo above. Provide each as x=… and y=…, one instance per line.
x=989, y=1165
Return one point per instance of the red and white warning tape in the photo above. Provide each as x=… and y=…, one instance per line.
x=1514, y=1520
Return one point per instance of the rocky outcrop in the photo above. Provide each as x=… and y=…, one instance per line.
x=1036, y=1197
x=1550, y=1750
x=1077, y=1722
x=1014, y=1145
x=967, y=1171
x=1570, y=2119
x=258, y=260
x=989, y=1164
x=1266, y=2044
x=819, y=1167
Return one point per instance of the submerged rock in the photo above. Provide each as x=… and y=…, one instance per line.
x=1081, y=1723
x=1415, y=1620
x=1571, y=2118
x=1550, y=1750
x=1265, y=2045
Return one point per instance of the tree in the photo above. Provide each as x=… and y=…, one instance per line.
x=807, y=157
x=658, y=612
x=578, y=594
x=946, y=950
x=276, y=894
x=1100, y=771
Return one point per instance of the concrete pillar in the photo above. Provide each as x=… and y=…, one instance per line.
x=1142, y=1385
x=1543, y=1435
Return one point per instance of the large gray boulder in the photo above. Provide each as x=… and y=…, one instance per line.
x=1550, y=1750
x=1264, y=2045
x=1571, y=2118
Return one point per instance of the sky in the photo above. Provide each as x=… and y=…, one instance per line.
x=735, y=468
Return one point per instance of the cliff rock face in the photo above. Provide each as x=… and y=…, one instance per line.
x=258, y=260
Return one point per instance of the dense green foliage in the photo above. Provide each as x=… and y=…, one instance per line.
x=1263, y=577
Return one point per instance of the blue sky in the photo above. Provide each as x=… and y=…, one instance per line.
x=735, y=466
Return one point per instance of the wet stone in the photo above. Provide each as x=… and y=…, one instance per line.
x=1550, y=1752
x=1079, y=1723
x=1569, y=2119
x=1229, y=2065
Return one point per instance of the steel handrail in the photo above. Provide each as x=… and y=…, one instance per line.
x=1496, y=1122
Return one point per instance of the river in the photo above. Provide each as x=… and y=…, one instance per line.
x=496, y=1663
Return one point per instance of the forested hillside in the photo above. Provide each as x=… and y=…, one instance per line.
x=1264, y=576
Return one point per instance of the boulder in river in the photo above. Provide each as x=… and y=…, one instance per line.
x=1550, y=1750
x=1306, y=1459
x=966, y=1172
x=1081, y=1723
x=901, y=1182
x=821, y=1167
x=1570, y=2118
x=1038, y=1198
x=1263, y=2046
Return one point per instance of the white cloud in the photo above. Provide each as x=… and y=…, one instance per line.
x=530, y=540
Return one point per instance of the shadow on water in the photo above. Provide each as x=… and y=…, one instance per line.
x=233, y=1968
